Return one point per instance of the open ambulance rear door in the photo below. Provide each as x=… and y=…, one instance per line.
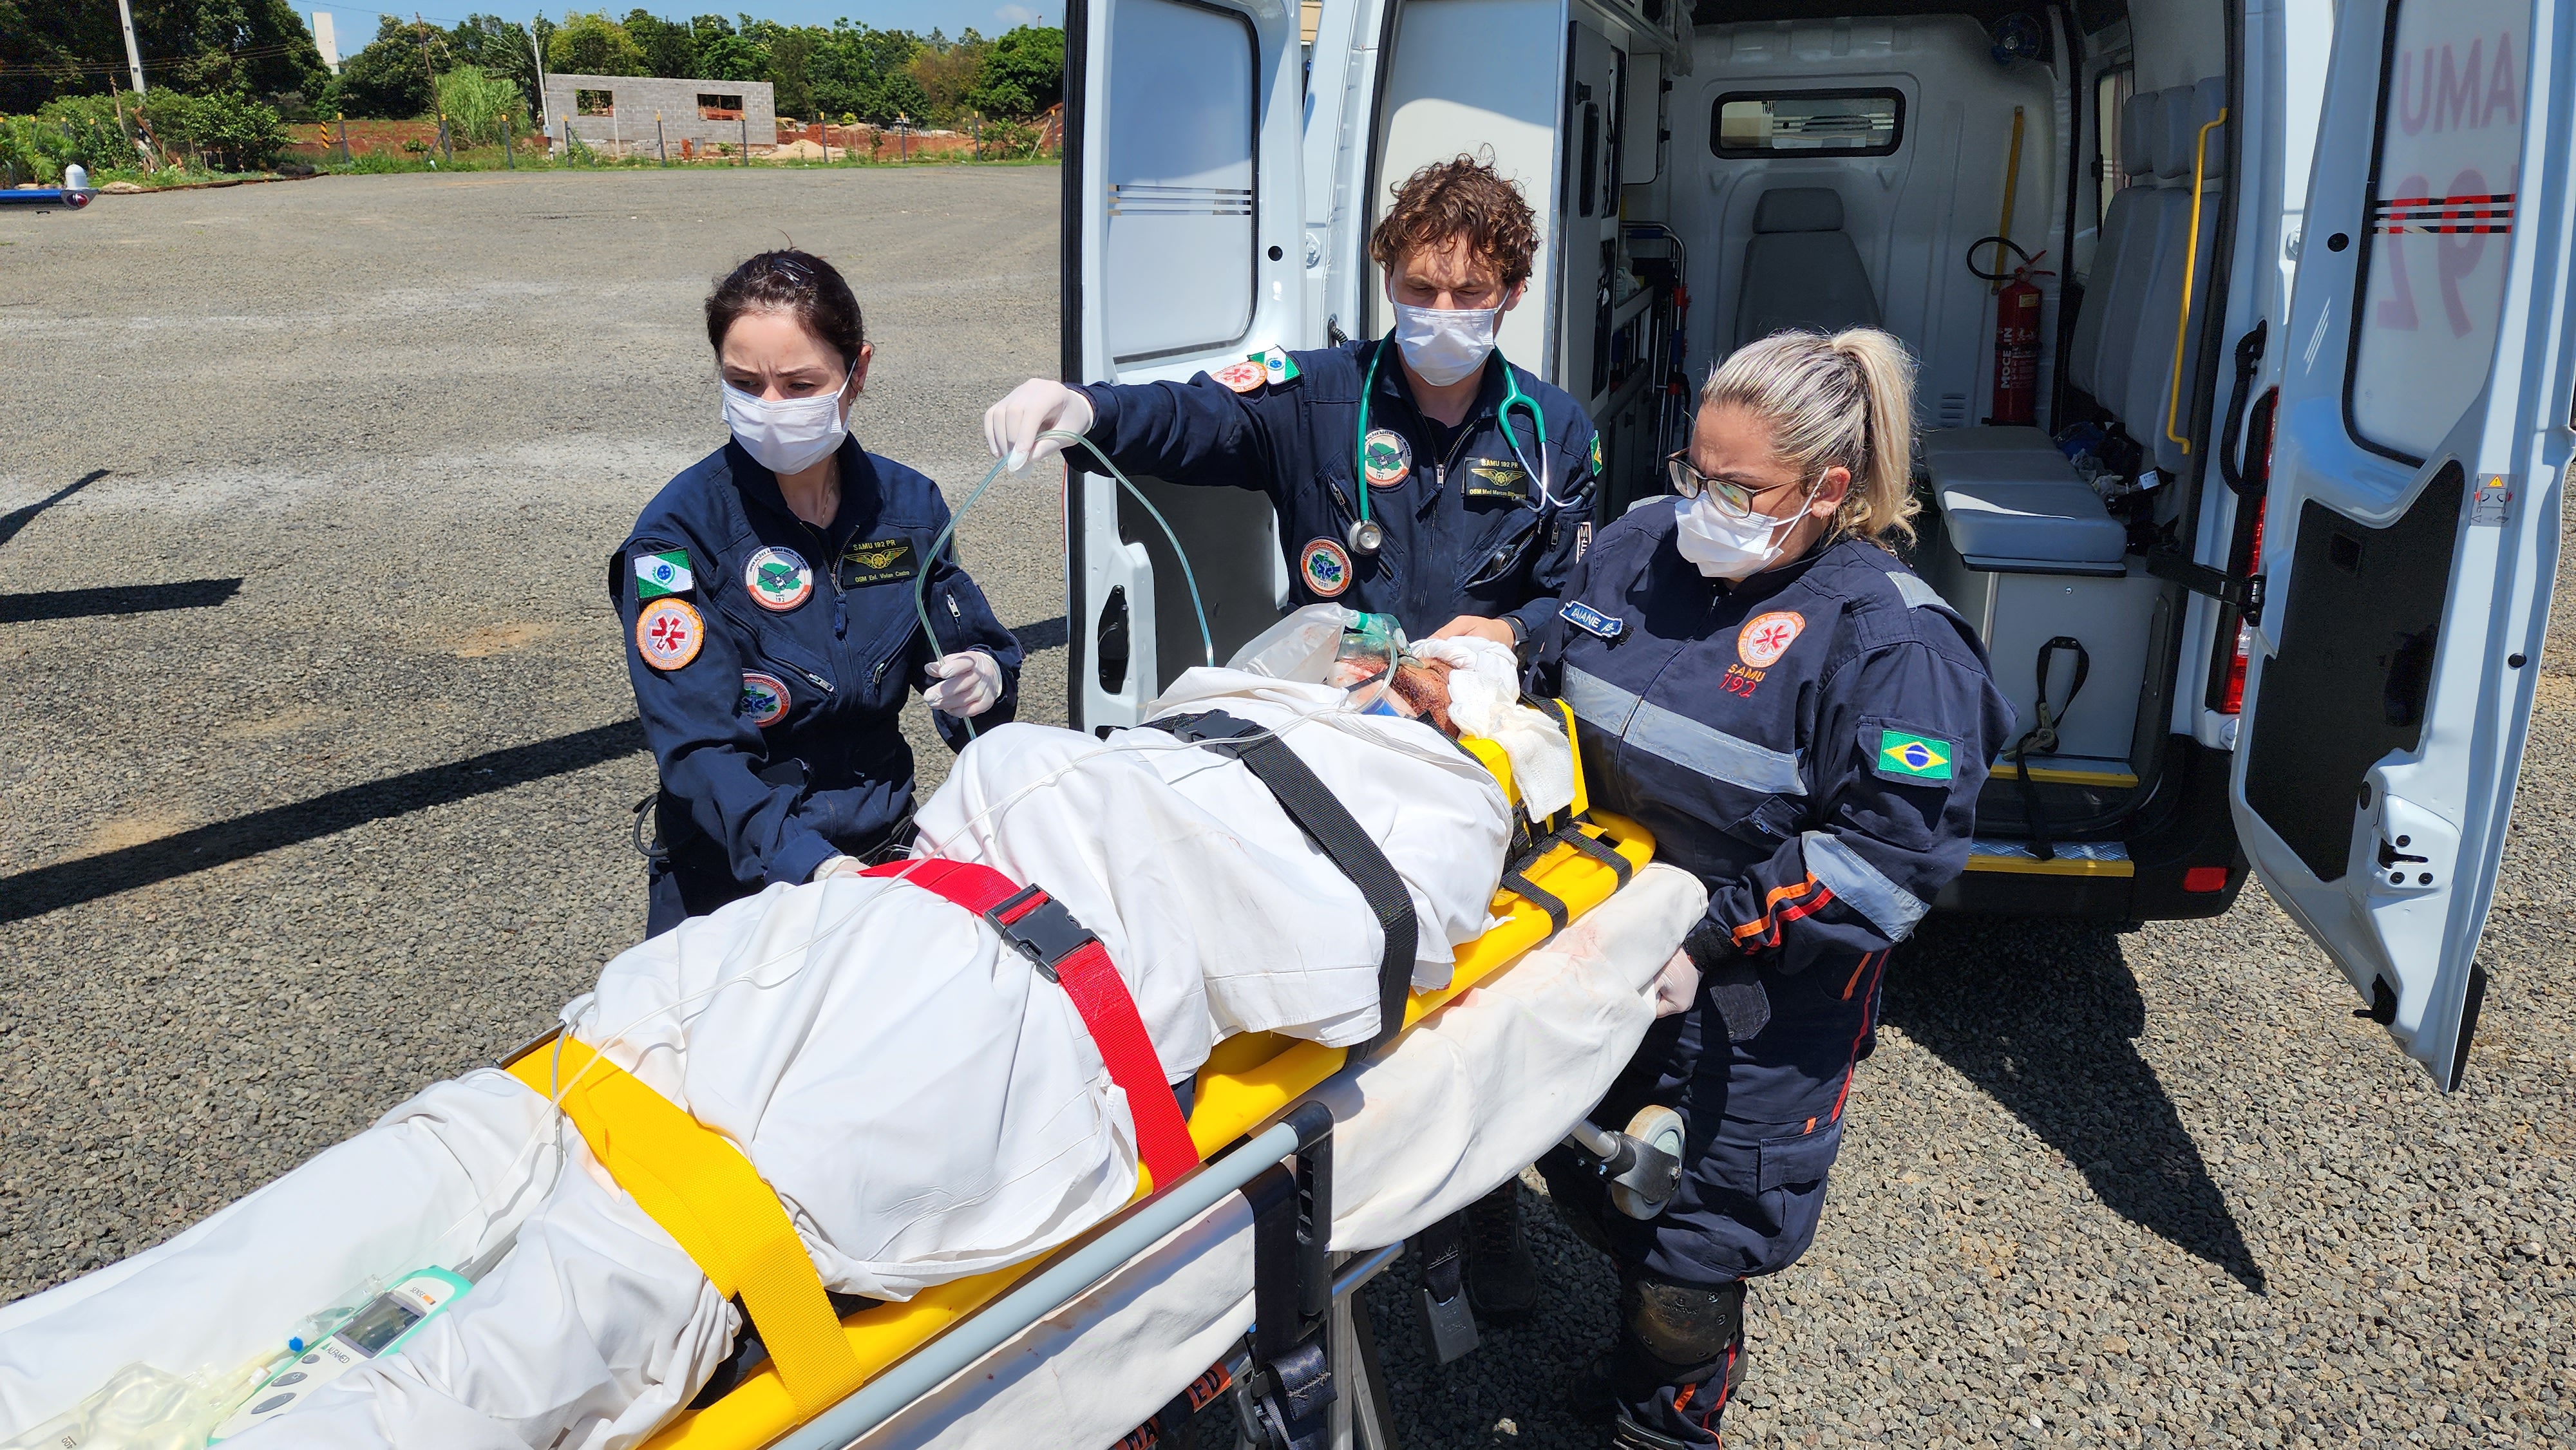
x=1181, y=254
x=2411, y=524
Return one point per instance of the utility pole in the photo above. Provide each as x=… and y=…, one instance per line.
x=133, y=52
x=543, y=118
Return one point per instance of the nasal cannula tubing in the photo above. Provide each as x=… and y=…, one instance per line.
x=1155, y=743
x=1189, y=576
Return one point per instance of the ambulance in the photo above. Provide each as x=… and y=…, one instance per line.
x=2245, y=386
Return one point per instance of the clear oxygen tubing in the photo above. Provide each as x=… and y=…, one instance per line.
x=921, y=580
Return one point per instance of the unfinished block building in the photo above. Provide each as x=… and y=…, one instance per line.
x=616, y=114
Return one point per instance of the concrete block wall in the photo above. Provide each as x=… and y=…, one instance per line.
x=630, y=131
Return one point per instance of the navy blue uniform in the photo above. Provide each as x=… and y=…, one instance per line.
x=1809, y=743
x=1467, y=530
x=776, y=730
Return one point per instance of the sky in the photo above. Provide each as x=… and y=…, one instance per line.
x=355, y=27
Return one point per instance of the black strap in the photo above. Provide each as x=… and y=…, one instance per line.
x=1517, y=882
x=2041, y=738
x=1312, y=806
x=1599, y=850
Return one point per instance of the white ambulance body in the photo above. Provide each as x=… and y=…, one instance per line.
x=2304, y=272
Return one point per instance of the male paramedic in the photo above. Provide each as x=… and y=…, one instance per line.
x=1432, y=480
x=1803, y=724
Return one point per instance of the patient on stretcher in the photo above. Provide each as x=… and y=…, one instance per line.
x=925, y=1105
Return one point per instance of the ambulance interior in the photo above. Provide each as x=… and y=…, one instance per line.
x=1722, y=174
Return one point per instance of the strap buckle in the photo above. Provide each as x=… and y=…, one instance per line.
x=1038, y=927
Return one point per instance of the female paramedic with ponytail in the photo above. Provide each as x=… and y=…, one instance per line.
x=1803, y=724
x=768, y=601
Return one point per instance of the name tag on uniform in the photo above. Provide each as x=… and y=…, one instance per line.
x=1495, y=478
x=1592, y=621
x=878, y=561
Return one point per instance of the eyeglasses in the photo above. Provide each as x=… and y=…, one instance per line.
x=1733, y=499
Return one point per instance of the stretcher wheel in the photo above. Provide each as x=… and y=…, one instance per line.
x=1659, y=1128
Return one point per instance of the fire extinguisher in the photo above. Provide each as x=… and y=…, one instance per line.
x=2016, y=331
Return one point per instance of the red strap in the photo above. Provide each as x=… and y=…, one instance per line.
x=1099, y=994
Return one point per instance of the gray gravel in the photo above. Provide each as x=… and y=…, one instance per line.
x=2101, y=1189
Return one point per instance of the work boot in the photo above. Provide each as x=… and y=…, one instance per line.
x=1502, y=1278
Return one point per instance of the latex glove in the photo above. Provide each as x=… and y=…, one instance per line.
x=1477, y=626
x=835, y=866
x=1012, y=426
x=968, y=682
x=1676, y=986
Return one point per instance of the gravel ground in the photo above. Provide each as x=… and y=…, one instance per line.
x=347, y=811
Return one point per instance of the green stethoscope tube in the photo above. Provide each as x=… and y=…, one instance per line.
x=1512, y=396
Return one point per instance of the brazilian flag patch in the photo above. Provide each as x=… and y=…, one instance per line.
x=1914, y=757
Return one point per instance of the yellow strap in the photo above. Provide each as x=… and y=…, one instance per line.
x=700, y=1188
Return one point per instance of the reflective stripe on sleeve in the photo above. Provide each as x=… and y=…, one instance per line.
x=1680, y=739
x=1890, y=907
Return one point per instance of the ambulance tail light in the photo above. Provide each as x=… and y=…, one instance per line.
x=2231, y=698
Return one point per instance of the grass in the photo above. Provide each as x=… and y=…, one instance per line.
x=490, y=158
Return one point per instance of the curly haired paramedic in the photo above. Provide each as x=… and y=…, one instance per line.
x=1802, y=723
x=767, y=594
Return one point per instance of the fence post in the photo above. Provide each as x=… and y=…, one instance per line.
x=745, y=118
x=343, y=119
x=509, y=157
x=660, y=144
x=444, y=148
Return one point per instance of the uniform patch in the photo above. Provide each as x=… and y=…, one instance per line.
x=1914, y=757
x=665, y=573
x=1740, y=680
x=1596, y=453
x=669, y=632
x=878, y=561
x=1325, y=567
x=1592, y=621
x=1277, y=366
x=1766, y=637
x=1583, y=538
x=764, y=698
x=1386, y=458
x=1244, y=376
x=1496, y=478
x=778, y=579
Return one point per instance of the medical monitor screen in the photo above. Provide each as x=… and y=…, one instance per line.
x=1750, y=124
x=379, y=1324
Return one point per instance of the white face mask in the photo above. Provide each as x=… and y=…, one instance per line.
x=1444, y=344
x=787, y=435
x=1729, y=548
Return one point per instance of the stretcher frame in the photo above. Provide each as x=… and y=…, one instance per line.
x=1247, y=1091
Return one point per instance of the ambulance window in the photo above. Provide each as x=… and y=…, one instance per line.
x=1183, y=108
x=2110, y=94
x=2441, y=214
x=1781, y=123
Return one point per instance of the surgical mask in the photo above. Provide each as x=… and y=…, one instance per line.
x=786, y=435
x=1443, y=344
x=1733, y=549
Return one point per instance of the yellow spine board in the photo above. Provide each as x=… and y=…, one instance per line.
x=1247, y=1081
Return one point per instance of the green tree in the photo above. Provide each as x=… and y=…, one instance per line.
x=593, y=44
x=51, y=48
x=1022, y=73
x=497, y=47
x=389, y=79
x=945, y=75
x=476, y=102
x=732, y=58
x=669, y=49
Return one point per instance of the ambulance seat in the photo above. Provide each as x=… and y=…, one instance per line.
x=2126, y=246
x=2151, y=388
x=2140, y=383
x=1801, y=269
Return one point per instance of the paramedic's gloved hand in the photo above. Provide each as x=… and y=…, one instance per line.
x=835, y=866
x=1477, y=626
x=1676, y=986
x=966, y=683
x=1012, y=426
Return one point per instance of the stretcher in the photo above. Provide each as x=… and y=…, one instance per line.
x=1142, y=1304
x=1256, y=1086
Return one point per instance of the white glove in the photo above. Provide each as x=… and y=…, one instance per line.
x=835, y=866
x=1676, y=986
x=968, y=683
x=1012, y=426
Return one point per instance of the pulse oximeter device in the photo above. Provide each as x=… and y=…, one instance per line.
x=379, y=1328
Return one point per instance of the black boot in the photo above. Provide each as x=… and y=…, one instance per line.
x=1502, y=1278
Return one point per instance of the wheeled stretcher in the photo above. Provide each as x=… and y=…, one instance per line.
x=1492, y=1082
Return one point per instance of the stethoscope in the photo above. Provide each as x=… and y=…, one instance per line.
x=1366, y=536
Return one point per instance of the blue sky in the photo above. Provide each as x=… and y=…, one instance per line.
x=355, y=27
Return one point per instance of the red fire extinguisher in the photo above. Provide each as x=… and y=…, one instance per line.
x=2016, y=331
